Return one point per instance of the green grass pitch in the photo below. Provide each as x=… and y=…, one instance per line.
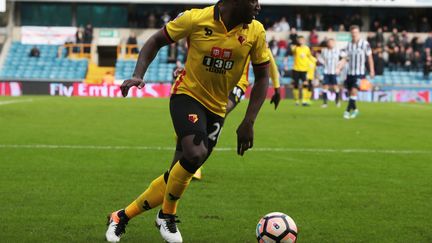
x=362, y=180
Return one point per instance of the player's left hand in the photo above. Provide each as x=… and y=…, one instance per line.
x=127, y=84
x=244, y=137
x=275, y=98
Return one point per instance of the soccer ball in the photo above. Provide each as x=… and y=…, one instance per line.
x=276, y=227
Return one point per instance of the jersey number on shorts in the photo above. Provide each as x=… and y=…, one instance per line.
x=215, y=134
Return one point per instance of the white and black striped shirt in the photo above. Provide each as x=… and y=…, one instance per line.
x=357, y=54
x=330, y=59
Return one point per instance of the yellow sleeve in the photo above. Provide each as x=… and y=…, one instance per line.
x=180, y=27
x=274, y=72
x=311, y=71
x=259, y=55
x=310, y=56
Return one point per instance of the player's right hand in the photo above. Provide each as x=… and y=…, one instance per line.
x=127, y=84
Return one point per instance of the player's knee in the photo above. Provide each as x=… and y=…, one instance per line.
x=195, y=151
x=194, y=158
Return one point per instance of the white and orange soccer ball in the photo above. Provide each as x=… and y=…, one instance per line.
x=276, y=227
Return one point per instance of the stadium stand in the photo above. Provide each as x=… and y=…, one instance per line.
x=19, y=65
x=159, y=71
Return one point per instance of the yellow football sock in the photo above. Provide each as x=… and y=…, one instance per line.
x=151, y=198
x=178, y=181
x=296, y=94
x=306, y=95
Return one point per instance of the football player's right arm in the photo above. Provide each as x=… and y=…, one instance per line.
x=172, y=32
x=342, y=62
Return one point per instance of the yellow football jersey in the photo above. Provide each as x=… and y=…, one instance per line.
x=274, y=74
x=216, y=58
x=311, y=70
x=302, y=56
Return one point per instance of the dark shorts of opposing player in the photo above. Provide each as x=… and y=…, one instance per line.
x=352, y=81
x=298, y=78
x=190, y=117
x=330, y=79
x=236, y=95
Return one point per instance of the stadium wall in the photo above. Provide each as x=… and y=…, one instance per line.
x=158, y=90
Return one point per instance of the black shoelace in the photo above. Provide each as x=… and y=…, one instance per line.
x=171, y=223
x=121, y=227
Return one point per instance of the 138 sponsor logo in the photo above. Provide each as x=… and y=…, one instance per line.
x=219, y=61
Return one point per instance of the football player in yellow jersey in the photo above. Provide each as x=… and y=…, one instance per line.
x=221, y=38
x=310, y=76
x=302, y=59
x=237, y=93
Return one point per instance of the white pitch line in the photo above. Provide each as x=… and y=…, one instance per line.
x=8, y=102
x=155, y=148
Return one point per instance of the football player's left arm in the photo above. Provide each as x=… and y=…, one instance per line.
x=245, y=132
x=274, y=75
x=370, y=61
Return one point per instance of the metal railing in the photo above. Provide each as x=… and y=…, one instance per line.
x=127, y=51
x=76, y=50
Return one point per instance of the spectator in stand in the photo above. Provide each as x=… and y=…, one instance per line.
x=404, y=40
x=177, y=69
x=293, y=37
x=394, y=24
x=182, y=50
x=88, y=37
x=341, y=28
x=409, y=59
x=318, y=22
x=428, y=42
x=375, y=25
x=309, y=22
x=371, y=38
x=282, y=44
x=298, y=22
x=380, y=36
x=378, y=56
x=313, y=38
x=151, y=21
x=165, y=18
x=79, y=39
x=411, y=24
x=417, y=47
x=401, y=58
x=393, y=52
x=424, y=25
x=395, y=35
x=281, y=26
x=132, y=40
x=172, y=53
x=273, y=45
x=427, y=54
x=34, y=52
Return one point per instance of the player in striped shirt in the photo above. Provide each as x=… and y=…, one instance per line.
x=330, y=58
x=356, y=53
